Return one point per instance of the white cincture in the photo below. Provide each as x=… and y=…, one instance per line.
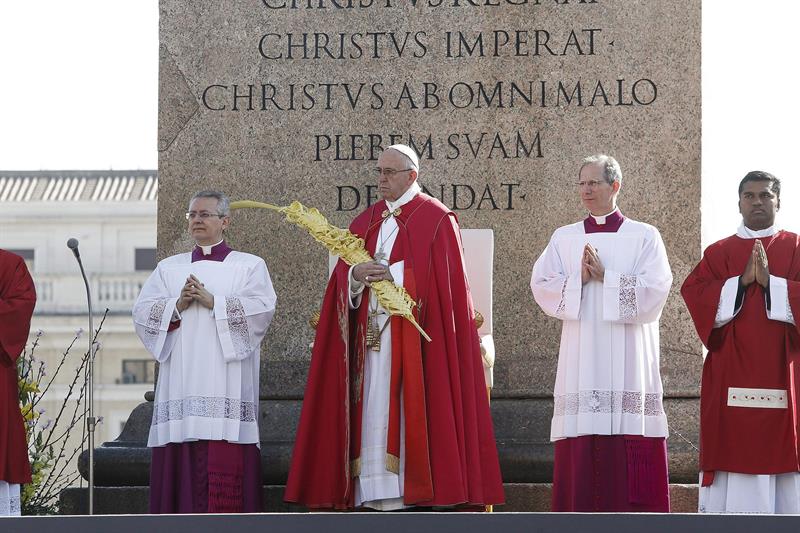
x=763, y=398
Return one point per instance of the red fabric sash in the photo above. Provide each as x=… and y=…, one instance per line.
x=407, y=368
x=406, y=376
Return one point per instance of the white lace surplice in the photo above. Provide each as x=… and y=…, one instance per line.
x=608, y=380
x=9, y=499
x=208, y=383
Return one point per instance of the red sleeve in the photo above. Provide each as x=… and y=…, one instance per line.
x=793, y=284
x=17, y=299
x=701, y=291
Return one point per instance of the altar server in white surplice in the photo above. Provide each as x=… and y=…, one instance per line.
x=606, y=278
x=203, y=315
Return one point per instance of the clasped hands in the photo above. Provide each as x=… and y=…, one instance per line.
x=757, y=268
x=591, y=266
x=194, y=291
x=370, y=272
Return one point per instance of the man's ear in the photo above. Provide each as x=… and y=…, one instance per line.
x=616, y=186
x=412, y=177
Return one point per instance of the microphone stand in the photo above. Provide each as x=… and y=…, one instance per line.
x=91, y=421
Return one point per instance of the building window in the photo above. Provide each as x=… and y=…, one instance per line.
x=145, y=259
x=26, y=254
x=138, y=371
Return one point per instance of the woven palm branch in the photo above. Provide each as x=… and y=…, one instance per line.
x=349, y=248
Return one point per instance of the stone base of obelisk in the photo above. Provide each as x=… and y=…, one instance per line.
x=520, y=497
x=122, y=467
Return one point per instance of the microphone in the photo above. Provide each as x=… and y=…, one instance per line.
x=72, y=244
x=91, y=421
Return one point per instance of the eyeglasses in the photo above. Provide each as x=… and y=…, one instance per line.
x=388, y=172
x=191, y=215
x=593, y=184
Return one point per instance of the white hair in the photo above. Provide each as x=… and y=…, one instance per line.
x=223, y=202
x=611, y=170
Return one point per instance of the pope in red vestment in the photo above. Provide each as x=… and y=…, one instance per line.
x=17, y=299
x=438, y=415
x=743, y=297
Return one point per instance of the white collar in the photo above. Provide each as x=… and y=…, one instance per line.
x=207, y=249
x=601, y=220
x=746, y=233
x=406, y=197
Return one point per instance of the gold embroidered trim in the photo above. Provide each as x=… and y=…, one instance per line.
x=396, y=213
x=355, y=467
x=393, y=464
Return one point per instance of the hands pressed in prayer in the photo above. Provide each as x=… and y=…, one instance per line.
x=591, y=266
x=185, y=299
x=586, y=274
x=370, y=272
x=761, y=264
x=199, y=294
x=749, y=274
x=757, y=268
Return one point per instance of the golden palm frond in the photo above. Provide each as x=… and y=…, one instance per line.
x=348, y=247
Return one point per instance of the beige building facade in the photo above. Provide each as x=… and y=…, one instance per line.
x=113, y=215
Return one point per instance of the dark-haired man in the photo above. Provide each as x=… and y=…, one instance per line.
x=743, y=297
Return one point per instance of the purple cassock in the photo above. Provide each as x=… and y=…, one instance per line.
x=206, y=476
x=610, y=473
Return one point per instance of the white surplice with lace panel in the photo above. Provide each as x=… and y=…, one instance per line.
x=208, y=381
x=608, y=380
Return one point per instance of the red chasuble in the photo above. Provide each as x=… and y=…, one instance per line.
x=752, y=352
x=17, y=299
x=451, y=455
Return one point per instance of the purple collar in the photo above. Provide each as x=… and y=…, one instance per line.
x=218, y=253
x=613, y=222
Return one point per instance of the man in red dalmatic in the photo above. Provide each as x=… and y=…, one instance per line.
x=743, y=297
x=389, y=419
x=17, y=299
